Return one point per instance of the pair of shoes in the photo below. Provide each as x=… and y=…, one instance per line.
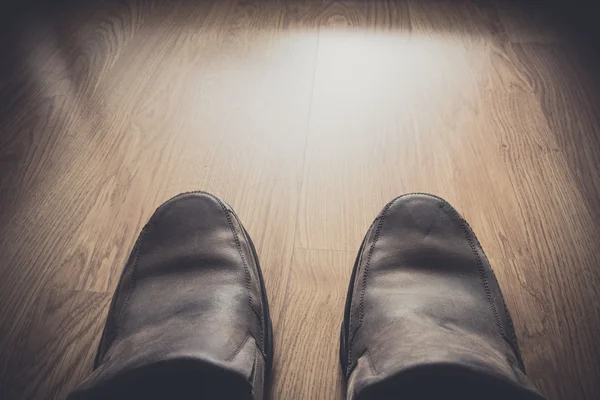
x=424, y=314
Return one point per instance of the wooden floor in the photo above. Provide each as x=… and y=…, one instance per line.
x=307, y=117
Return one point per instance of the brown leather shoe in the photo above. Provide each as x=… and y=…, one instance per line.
x=189, y=318
x=424, y=316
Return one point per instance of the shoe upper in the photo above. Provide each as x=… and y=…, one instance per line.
x=191, y=294
x=424, y=298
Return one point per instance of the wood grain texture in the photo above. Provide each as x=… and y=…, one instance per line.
x=57, y=342
x=310, y=326
x=307, y=116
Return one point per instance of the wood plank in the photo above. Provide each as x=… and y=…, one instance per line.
x=57, y=346
x=106, y=157
x=48, y=145
x=559, y=236
x=307, y=349
x=384, y=110
x=485, y=144
x=306, y=116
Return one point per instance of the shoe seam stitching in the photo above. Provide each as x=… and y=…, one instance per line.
x=473, y=243
x=248, y=277
x=365, y=274
x=239, y=348
x=370, y=363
